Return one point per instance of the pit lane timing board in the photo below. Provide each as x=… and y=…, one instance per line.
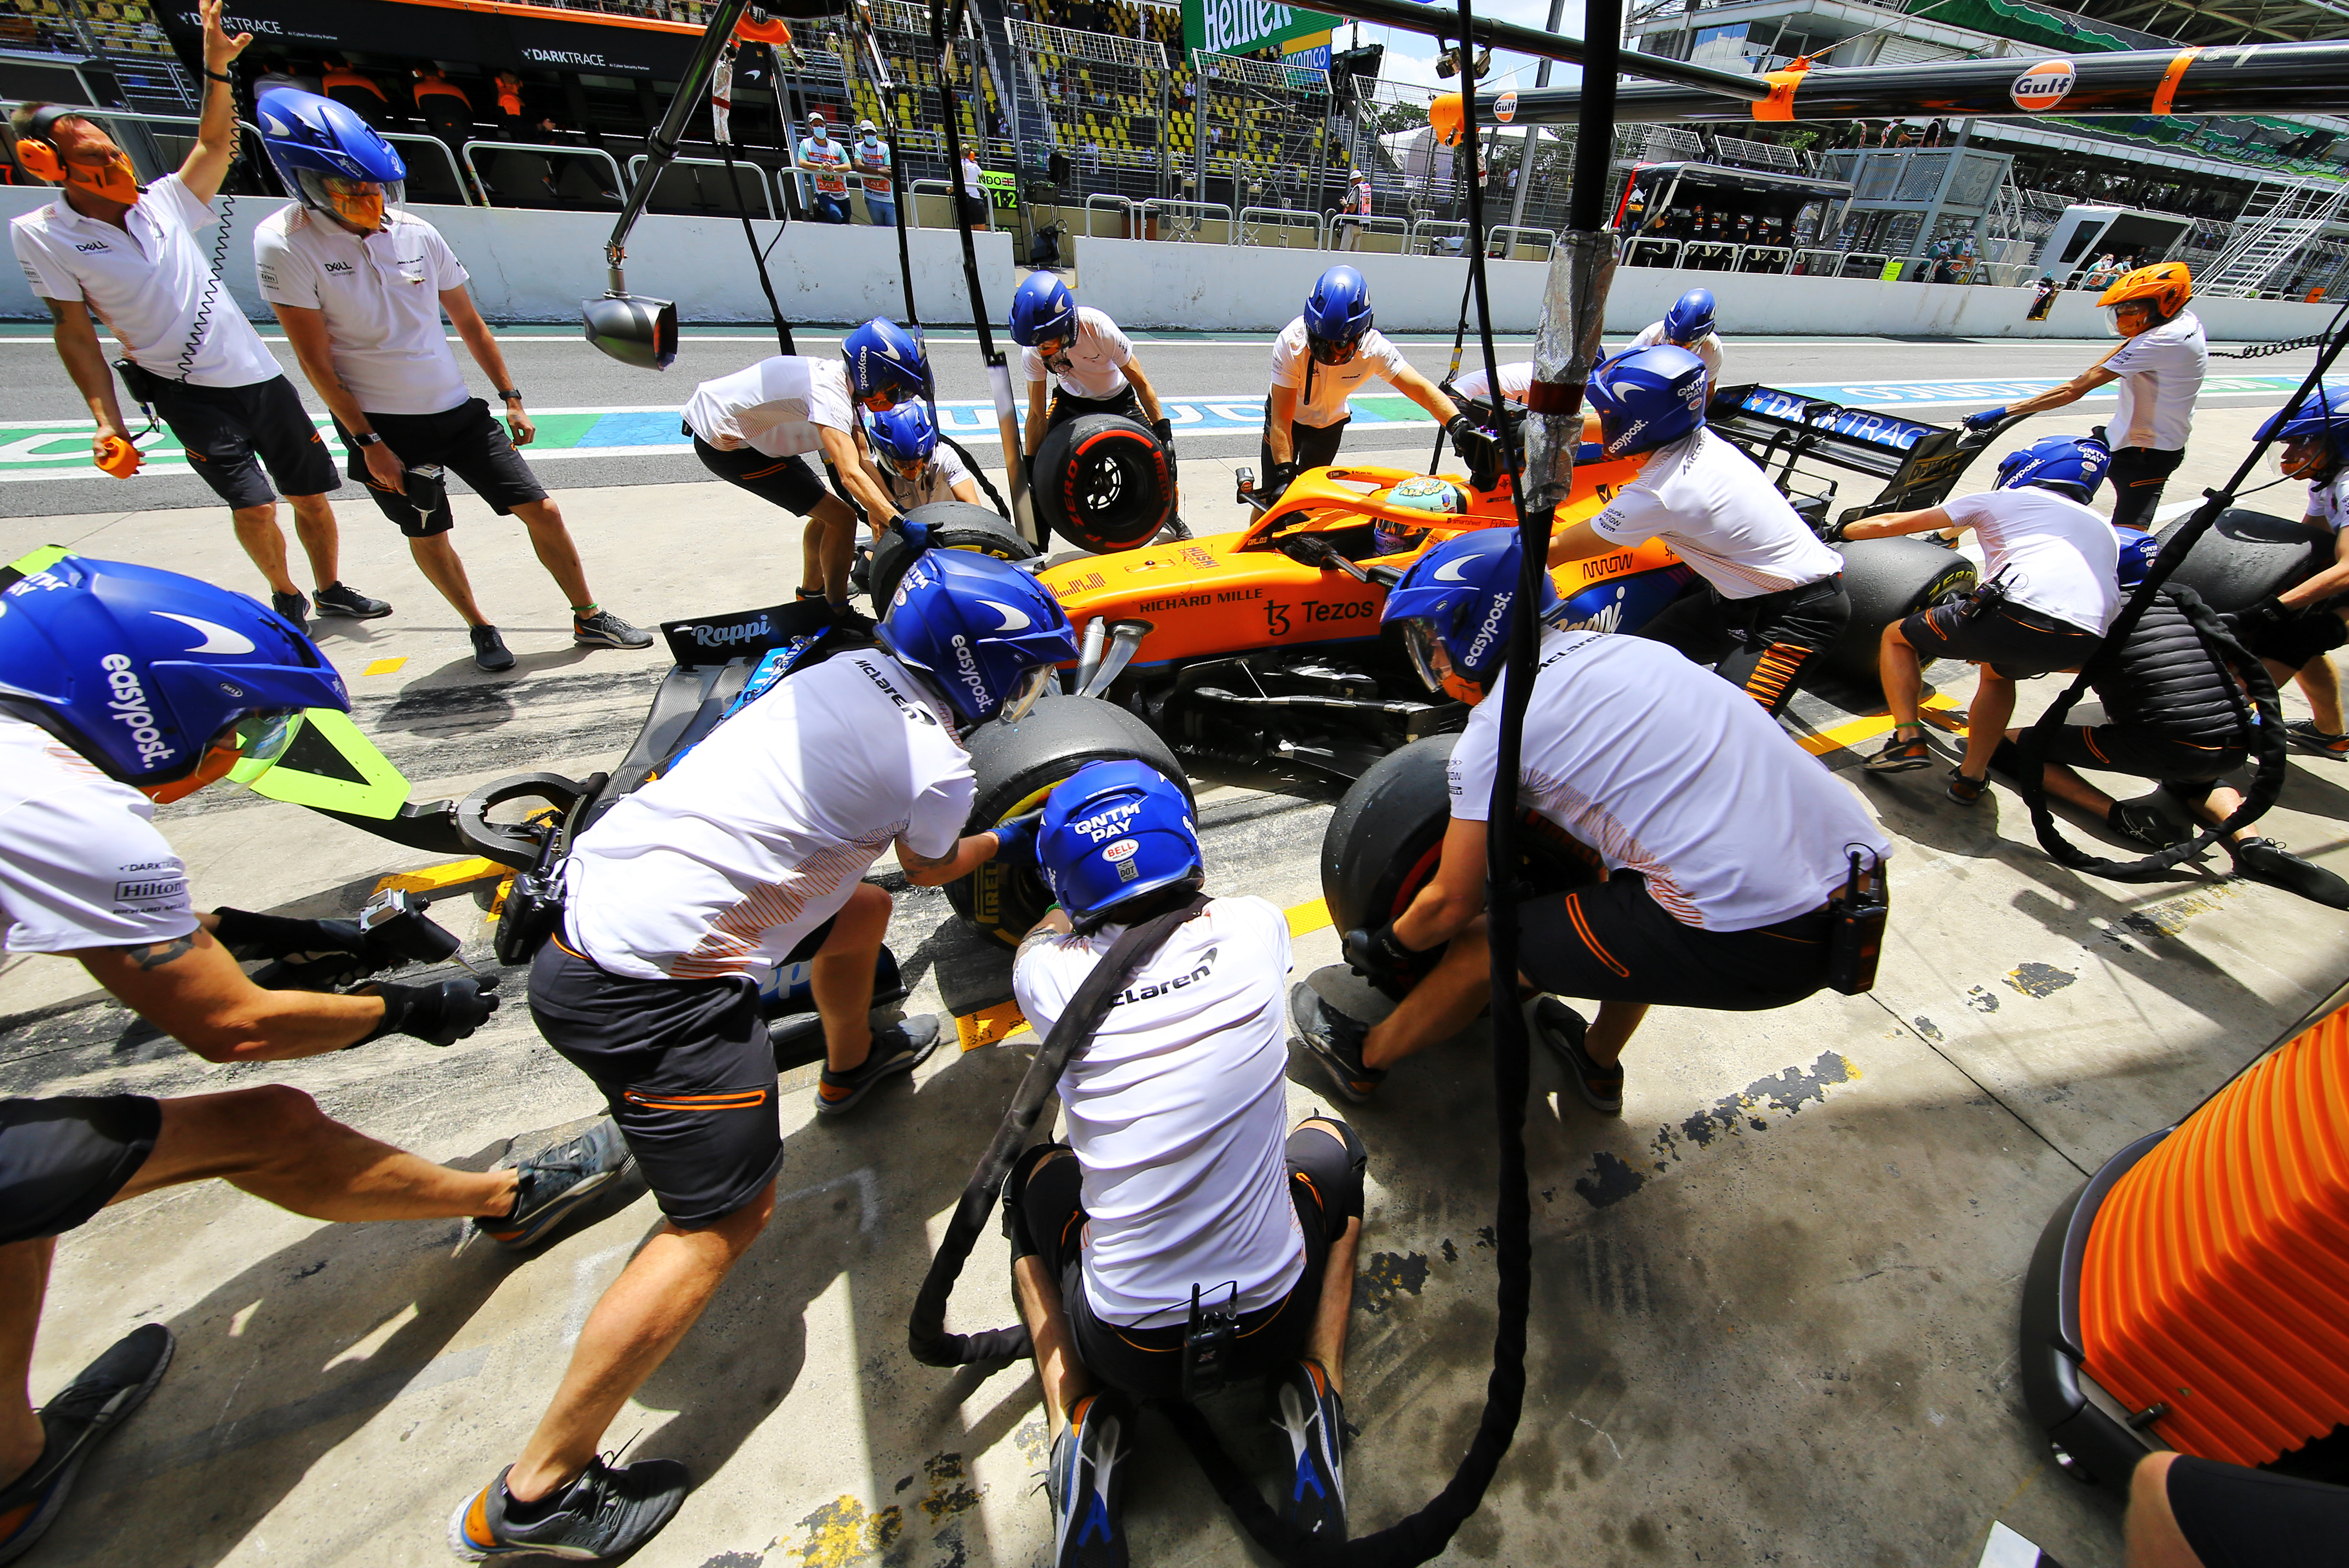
x=57, y=448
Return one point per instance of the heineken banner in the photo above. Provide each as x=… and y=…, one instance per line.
x=1243, y=26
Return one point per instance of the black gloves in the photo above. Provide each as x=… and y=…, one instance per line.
x=2266, y=615
x=1277, y=481
x=1476, y=448
x=1383, y=959
x=1165, y=431
x=1832, y=533
x=1017, y=836
x=313, y=955
x=439, y=1014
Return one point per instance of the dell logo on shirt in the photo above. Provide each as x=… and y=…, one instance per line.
x=92, y=246
x=338, y=267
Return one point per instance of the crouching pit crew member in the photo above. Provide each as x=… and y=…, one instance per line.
x=753, y=427
x=2050, y=588
x=903, y=454
x=130, y=257
x=1091, y=365
x=1724, y=841
x=1768, y=598
x=120, y=687
x=2295, y=631
x=1323, y=356
x=1183, y=1199
x=747, y=853
x=360, y=287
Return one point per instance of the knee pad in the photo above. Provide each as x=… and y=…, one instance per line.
x=2007, y=760
x=1015, y=1199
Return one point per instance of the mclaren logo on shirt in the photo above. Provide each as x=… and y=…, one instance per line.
x=1165, y=987
x=913, y=711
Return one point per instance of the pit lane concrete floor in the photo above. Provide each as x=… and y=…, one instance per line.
x=1774, y=1305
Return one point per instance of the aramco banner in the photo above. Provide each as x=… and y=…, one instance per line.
x=1243, y=26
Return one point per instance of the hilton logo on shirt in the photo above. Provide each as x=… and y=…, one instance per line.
x=1144, y=993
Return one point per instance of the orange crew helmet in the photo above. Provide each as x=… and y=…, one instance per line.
x=2163, y=289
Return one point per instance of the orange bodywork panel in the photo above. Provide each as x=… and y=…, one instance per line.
x=1232, y=593
x=2216, y=1278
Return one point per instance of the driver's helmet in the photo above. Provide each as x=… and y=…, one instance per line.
x=1423, y=492
x=1337, y=314
x=985, y=632
x=1042, y=311
x=905, y=436
x=325, y=155
x=885, y=362
x=2069, y=466
x=163, y=682
x=2323, y=420
x=1113, y=831
x=1457, y=600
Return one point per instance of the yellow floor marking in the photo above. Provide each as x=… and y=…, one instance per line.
x=1857, y=730
x=383, y=666
x=1308, y=917
x=990, y=1024
x=434, y=879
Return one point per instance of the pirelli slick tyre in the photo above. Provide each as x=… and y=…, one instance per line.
x=954, y=525
x=1016, y=768
x=1386, y=838
x=1104, y=482
x=2248, y=556
x=1889, y=580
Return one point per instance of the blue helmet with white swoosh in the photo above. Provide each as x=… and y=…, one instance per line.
x=986, y=633
x=161, y=681
x=1457, y=604
x=885, y=364
x=1647, y=398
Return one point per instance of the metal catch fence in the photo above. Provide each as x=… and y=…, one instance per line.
x=1104, y=100
x=1261, y=136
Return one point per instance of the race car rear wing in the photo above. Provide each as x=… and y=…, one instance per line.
x=1920, y=463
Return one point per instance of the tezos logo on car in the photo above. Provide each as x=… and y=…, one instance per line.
x=128, y=705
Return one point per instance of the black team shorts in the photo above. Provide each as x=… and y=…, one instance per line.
x=469, y=441
x=785, y=482
x=2183, y=768
x=1615, y=943
x=63, y=1160
x=231, y=432
x=2016, y=643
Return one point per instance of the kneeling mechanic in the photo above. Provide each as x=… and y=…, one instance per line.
x=1723, y=840
x=1185, y=1235
x=747, y=853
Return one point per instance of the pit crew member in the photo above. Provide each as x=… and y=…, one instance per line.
x=121, y=686
x=361, y=288
x=2050, y=589
x=753, y=427
x=1768, y=597
x=1182, y=1174
x=1688, y=325
x=747, y=853
x=2294, y=632
x=1322, y=356
x=2159, y=364
x=904, y=455
x=1093, y=364
x=1722, y=838
x=130, y=258
x=824, y=161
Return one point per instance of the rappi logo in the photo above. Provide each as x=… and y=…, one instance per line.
x=128, y=706
x=2044, y=86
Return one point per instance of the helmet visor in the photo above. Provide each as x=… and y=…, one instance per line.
x=2299, y=457
x=2138, y=312
x=1331, y=350
x=1040, y=678
x=357, y=201
x=259, y=740
x=1425, y=652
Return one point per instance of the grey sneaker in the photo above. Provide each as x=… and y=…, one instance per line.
x=605, y=629
x=294, y=607
x=74, y=1423
x=899, y=1047
x=606, y=1513
x=489, y=651
x=341, y=598
x=550, y=1186
x=1336, y=1041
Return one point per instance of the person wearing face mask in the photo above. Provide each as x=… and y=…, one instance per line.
x=359, y=287
x=108, y=251
x=870, y=154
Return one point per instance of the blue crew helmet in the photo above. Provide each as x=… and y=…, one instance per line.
x=1647, y=398
x=986, y=633
x=1455, y=604
x=1042, y=311
x=1112, y=832
x=885, y=365
x=329, y=158
x=2069, y=466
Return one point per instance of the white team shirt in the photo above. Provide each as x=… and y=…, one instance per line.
x=1178, y=1111
x=1705, y=499
x=81, y=865
x=147, y=285
x=2054, y=555
x=1707, y=348
x=936, y=481
x=380, y=294
x=1667, y=769
x=1322, y=398
x=1516, y=382
x=776, y=405
x=1094, y=365
x=760, y=834
x=2160, y=376
x=2328, y=503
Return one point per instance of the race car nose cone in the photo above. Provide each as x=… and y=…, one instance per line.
x=633, y=330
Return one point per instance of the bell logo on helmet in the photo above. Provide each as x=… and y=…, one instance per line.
x=1121, y=850
x=1013, y=619
x=128, y=705
x=217, y=638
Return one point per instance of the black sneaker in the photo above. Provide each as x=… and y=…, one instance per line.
x=294, y=607
x=1563, y=1030
x=1310, y=1411
x=73, y=1423
x=2303, y=734
x=2265, y=860
x=852, y=621
x=899, y=1048
x=605, y=629
x=551, y=1185
x=490, y=651
x=2144, y=825
x=606, y=1513
x=1085, y=1478
x=341, y=598
x=1175, y=532
x=1336, y=1041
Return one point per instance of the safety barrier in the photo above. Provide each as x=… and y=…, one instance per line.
x=1652, y=253
x=1184, y=221
x=1351, y=232
x=1121, y=205
x=1763, y=258
x=457, y=181
x=1426, y=230
x=1496, y=246
x=543, y=151
x=758, y=175
x=1255, y=221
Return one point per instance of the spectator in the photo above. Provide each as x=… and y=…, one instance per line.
x=1354, y=208
x=974, y=193
x=824, y=160
x=871, y=156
